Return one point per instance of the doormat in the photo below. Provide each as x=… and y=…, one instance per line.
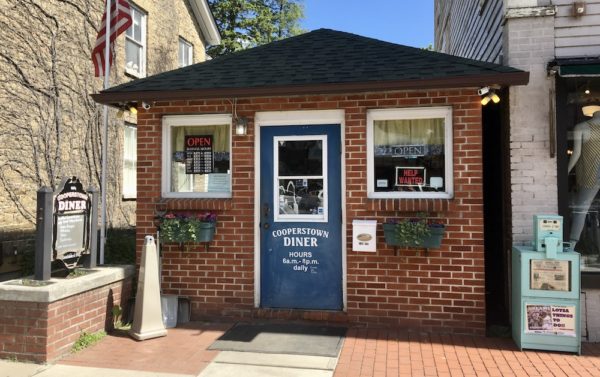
x=292, y=339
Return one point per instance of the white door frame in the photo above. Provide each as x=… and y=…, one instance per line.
x=297, y=118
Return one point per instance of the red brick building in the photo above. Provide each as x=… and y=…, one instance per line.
x=333, y=121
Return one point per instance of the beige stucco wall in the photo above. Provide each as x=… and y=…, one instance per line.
x=56, y=55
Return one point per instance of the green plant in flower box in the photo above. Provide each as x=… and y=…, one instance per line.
x=187, y=227
x=419, y=232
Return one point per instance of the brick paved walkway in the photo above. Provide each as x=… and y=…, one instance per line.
x=379, y=352
x=366, y=352
x=182, y=351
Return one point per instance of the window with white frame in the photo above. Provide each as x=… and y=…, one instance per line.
x=129, y=161
x=186, y=53
x=135, y=44
x=409, y=153
x=196, y=156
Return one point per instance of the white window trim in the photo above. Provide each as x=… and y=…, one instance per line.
x=190, y=121
x=282, y=218
x=412, y=113
x=129, y=194
x=143, y=44
x=190, y=47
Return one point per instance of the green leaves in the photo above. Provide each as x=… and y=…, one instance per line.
x=183, y=229
x=412, y=231
x=249, y=23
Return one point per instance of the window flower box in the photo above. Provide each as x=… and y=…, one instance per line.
x=413, y=233
x=187, y=227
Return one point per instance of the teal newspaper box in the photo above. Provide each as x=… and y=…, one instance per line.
x=546, y=290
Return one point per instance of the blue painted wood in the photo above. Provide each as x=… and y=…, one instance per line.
x=307, y=276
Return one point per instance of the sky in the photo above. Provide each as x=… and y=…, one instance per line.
x=407, y=22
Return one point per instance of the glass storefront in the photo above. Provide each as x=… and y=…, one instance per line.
x=578, y=118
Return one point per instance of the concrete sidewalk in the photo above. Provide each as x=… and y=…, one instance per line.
x=366, y=352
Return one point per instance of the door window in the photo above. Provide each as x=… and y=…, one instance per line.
x=301, y=178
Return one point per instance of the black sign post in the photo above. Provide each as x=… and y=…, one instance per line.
x=91, y=262
x=43, y=234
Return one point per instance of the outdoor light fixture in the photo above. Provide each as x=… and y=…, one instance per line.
x=133, y=110
x=241, y=126
x=490, y=95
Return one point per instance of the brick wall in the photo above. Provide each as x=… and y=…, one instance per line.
x=42, y=332
x=442, y=291
x=529, y=43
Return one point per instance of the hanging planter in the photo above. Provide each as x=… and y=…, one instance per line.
x=187, y=227
x=413, y=233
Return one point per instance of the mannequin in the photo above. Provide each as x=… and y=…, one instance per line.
x=586, y=157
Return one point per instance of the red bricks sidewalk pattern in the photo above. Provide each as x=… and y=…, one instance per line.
x=384, y=352
x=366, y=352
x=183, y=350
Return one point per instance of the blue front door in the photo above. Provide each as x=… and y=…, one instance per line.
x=300, y=204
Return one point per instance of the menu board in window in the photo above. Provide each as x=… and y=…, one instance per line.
x=198, y=154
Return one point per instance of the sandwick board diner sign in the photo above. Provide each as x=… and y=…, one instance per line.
x=71, y=222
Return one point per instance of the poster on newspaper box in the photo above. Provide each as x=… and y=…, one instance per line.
x=550, y=319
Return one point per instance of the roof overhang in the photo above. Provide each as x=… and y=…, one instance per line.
x=499, y=79
x=576, y=67
x=206, y=22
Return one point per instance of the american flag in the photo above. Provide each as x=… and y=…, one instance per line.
x=120, y=21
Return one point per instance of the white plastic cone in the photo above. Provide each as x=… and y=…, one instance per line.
x=147, y=318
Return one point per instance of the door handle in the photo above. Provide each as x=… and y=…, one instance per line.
x=266, y=210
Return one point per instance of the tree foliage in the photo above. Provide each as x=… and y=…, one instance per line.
x=249, y=23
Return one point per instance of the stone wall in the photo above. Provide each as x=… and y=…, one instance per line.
x=47, y=70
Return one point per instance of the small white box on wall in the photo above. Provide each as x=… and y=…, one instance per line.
x=364, y=235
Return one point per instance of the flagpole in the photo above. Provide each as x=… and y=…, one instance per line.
x=106, y=67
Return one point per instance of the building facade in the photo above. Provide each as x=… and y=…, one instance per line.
x=288, y=145
x=548, y=121
x=51, y=127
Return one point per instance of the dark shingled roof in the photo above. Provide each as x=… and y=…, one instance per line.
x=321, y=61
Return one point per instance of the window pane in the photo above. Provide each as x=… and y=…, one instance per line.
x=584, y=191
x=129, y=161
x=302, y=157
x=185, y=53
x=133, y=54
x=137, y=25
x=200, y=160
x=301, y=196
x=409, y=155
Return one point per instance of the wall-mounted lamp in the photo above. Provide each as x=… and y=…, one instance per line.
x=490, y=95
x=241, y=126
x=126, y=107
